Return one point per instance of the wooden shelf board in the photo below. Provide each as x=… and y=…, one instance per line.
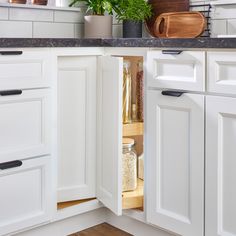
x=133, y=199
x=133, y=129
x=62, y=205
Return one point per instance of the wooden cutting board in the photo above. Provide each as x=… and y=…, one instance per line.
x=164, y=6
x=180, y=25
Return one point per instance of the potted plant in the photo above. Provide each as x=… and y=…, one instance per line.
x=133, y=13
x=97, y=24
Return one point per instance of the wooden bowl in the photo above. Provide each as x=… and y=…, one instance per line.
x=40, y=2
x=18, y=1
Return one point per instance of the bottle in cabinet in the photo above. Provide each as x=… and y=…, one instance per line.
x=127, y=83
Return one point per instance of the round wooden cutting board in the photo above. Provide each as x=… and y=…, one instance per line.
x=164, y=6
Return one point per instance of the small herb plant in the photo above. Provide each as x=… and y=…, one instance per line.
x=134, y=10
x=98, y=7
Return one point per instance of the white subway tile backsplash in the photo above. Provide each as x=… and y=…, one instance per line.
x=53, y=30
x=232, y=26
x=224, y=12
x=15, y=29
x=218, y=27
x=21, y=14
x=66, y=16
x=79, y=30
x=3, y=13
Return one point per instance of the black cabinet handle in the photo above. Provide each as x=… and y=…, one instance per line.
x=172, y=52
x=172, y=93
x=10, y=53
x=10, y=92
x=10, y=164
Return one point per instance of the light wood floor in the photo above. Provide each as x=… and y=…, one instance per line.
x=102, y=230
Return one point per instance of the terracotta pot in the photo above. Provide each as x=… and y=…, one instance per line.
x=18, y=1
x=40, y=2
x=97, y=26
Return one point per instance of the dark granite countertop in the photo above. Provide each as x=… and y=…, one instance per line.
x=143, y=42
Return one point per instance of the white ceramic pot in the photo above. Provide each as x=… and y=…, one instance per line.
x=96, y=26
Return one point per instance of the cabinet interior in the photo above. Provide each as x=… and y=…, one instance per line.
x=134, y=130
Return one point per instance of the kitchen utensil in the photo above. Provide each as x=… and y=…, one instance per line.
x=164, y=6
x=179, y=25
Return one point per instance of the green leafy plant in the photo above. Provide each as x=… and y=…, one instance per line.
x=135, y=10
x=98, y=7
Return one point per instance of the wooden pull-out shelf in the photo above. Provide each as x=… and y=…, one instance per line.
x=133, y=199
x=62, y=205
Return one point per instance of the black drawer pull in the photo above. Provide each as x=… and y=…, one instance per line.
x=172, y=93
x=10, y=53
x=10, y=164
x=10, y=92
x=172, y=52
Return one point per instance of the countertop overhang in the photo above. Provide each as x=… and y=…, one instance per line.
x=120, y=42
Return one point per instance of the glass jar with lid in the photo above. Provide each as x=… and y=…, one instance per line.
x=129, y=164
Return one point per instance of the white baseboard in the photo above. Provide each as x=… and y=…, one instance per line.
x=70, y=225
x=134, y=227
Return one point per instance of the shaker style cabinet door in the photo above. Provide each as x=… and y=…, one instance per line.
x=109, y=133
x=26, y=197
x=220, y=166
x=25, y=69
x=175, y=162
x=25, y=125
x=76, y=127
x=221, y=72
x=183, y=70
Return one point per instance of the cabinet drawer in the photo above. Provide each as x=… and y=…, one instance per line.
x=31, y=69
x=26, y=195
x=25, y=125
x=184, y=71
x=221, y=69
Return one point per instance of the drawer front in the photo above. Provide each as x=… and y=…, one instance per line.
x=25, y=125
x=221, y=67
x=184, y=71
x=26, y=197
x=31, y=69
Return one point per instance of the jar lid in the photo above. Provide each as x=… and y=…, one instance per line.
x=128, y=142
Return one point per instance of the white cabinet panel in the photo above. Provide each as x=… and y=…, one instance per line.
x=25, y=125
x=220, y=166
x=109, y=136
x=31, y=69
x=76, y=128
x=221, y=71
x=175, y=162
x=26, y=195
x=184, y=71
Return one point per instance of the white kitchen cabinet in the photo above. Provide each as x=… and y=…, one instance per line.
x=221, y=72
x=176, y=69
x=175, y=162
x=25, y=69
x=109, y=135
x=25, y=124
x=220, y=166
x=26, y=194
x=76, y=127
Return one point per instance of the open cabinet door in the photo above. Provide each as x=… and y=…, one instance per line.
x=109, y=132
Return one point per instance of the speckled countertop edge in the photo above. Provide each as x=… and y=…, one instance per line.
x=120, y=42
